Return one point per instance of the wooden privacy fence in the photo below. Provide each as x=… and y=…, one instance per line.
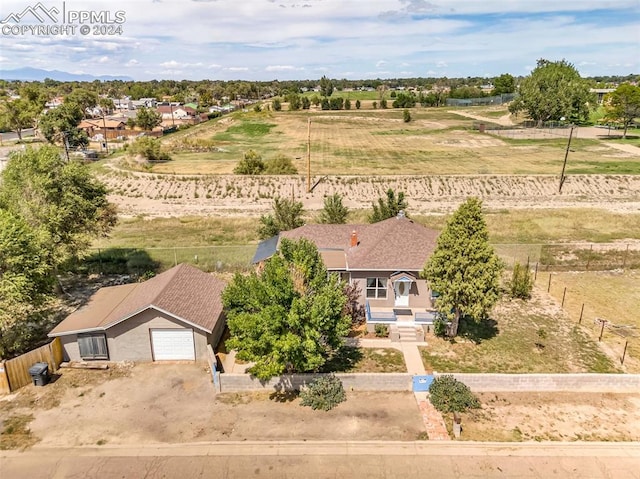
x=14, y=373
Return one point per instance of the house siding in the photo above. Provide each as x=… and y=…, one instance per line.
x=419, y=294
x=130, y=340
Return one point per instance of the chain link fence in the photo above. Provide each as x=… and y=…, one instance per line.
x=571, y=256
x=541, y=257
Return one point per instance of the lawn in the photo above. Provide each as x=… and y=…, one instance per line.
x=368, y=141
x=614, y=296
x=521, y=337
x=367, y=360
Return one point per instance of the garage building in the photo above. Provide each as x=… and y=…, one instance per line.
x=172, y=316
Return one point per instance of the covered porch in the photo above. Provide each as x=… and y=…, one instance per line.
x=399, y=315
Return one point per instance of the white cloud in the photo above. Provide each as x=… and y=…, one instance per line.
x=282, y=68
x=380, y=63
x=236, y=69
x=133, y=62
x=104, y=59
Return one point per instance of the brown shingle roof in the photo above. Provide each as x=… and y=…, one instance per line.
x=184, y=292
x=392, y=244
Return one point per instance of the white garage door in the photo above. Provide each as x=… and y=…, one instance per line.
x=172, y=344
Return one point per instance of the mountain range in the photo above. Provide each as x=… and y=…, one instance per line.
x=36, y=74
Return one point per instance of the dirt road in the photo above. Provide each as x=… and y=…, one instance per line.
x=370, y=460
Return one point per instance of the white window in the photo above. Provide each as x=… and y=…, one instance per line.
x=377, y=288
x=93, y=346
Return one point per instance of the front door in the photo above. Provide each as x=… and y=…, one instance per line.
x=402, y=292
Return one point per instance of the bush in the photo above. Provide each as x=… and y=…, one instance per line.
x=324, y=393
x=149, y=148
x=251, y=164
x=382, y=331
x=450, y=395
x=406, y=116
x=440, y=327
x=521, y=282
x=280, y=165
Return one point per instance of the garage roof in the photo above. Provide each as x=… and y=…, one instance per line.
x=184, y=292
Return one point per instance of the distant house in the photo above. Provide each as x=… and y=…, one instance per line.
x=601, y=93
x=123, y=104
x=108, y=128
x=173, y=316
x=180, y=112
x=383, y=259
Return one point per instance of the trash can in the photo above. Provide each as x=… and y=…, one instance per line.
x=39, y=373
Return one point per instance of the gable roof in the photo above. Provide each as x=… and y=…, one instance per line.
x=391, y=245
x=184, y=292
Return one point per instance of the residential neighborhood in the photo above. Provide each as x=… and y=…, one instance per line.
x=280, y=240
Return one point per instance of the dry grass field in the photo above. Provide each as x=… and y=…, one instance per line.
x=362, y=142
x=612, y=295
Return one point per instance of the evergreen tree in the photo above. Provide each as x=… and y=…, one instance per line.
x=334, y=212
x=464, y=269
x=388, y=206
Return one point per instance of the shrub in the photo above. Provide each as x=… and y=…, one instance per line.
x=406, y=116
x=450, y=395
x=324, y=393
x=382, y=331
x=149, y=148
x=440, y=327
x=521, y=282
x=280, y=165
x=251, y=164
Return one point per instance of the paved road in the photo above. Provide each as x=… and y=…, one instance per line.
x=10, y=135
x=311, y=460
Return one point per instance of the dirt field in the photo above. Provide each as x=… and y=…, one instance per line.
x=165, y=403
x=161, y=403
x=554, y=417
x=225, y=195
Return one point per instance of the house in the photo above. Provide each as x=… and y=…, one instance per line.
x=176, y=112
x=172, y=316
x=383, y=259
x=109, y=128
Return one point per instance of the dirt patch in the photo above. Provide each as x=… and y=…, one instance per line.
x=553, y=417
x=148, y=405
x=227, y=195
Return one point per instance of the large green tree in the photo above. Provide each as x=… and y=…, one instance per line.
x=326, y=86
x=148, y=118
x=60, y=201
x=287, y=215
x=288, y=317
x=388, y=206
x=464, y=269
x=505, y=83
x=18, y=115
x=60, y=125
x=25, y=280
x=554, y=90
x=333, y=212
x=623, y=105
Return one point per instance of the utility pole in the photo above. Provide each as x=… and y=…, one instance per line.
x=104, y=129
x=309, y=155
x=564, y=165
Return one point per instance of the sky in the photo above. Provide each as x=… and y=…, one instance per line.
x=305, y=39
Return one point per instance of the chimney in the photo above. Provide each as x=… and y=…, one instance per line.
x=354, y=239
